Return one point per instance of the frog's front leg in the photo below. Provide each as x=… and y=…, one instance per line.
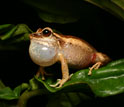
x=65, y=72
x=42, y=72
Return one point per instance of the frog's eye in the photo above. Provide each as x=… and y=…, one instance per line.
x=46, y=32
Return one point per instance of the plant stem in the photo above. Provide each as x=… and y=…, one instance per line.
x=28, y=94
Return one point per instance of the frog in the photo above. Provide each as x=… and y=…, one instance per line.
x=48, y=47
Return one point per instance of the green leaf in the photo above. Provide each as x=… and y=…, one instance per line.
x=7, y=93
x=1, y=85
x=5, y=26
x=70, y=99
x=57, y=18
x=115, y=7
x=106, y=81
x=71, y=10
x=51, y=11
x=9, y=33
x=13, y=34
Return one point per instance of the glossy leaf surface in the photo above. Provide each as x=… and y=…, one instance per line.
x=115, y=7
x=64, y=11
x=12, y=34
x=7, y=93
x=106, y=81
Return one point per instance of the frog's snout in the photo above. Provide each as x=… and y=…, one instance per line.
x=33, y=35
x=30, y=36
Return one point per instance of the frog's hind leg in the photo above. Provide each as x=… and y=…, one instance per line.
x=98, y=60
x=95, y=66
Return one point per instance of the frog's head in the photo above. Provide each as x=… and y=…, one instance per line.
x=44, y=47
x=44, y=36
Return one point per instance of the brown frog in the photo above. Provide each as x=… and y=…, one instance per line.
x=47, y=47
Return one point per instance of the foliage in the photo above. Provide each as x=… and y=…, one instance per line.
x=115, y=7
x=53, y=12
x=104, y=82
x=12, y=34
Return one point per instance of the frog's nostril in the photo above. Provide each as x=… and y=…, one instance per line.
x=37, y=35
x=34, y=34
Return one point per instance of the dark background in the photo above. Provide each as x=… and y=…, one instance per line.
x=101, y=29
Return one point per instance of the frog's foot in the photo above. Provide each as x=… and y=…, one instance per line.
x=45, y=73
x=58, y=82
x=61, y=82
x=42, y=72
x=95, y=66
x=38, y=75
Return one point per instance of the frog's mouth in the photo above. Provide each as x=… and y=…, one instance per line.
x=40, y=41
x=36, y=38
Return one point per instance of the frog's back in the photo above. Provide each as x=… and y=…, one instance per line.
x=77, y=52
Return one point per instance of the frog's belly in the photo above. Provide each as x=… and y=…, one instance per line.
x=42, y=55
x=77, y=57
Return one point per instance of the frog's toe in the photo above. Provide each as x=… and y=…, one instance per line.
x=70, y=75
x=55, y=85
x=43, y=78
x=61, y=83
